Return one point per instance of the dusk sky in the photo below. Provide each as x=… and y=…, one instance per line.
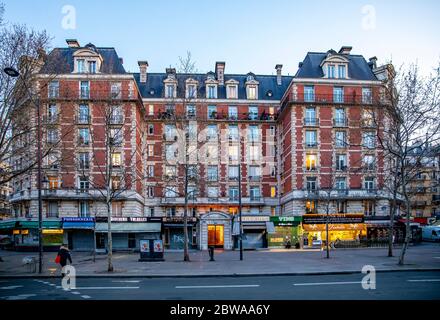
x=249, y=35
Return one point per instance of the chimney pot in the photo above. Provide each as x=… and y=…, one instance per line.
x=143, y=66
x=220, y=72
x=72, y=43
x=279, y=67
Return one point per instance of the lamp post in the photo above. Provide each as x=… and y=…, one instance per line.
x=13, y=73
x=239, y=195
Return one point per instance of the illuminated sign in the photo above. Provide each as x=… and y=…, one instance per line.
x=254, y=218
x=286, y=221
x=52, y=231
x=342, y=218
x=128, y=219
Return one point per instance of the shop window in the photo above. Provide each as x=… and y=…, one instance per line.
x=341, y=206
x=369, y=208
x=273, y=192
x=131, y=240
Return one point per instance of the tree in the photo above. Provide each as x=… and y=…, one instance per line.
x=409, y=116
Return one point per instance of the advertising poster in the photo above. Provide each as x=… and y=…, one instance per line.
x=158, y=246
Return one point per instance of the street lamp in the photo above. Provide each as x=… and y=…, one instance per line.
x=239, y=195
x=13, y=73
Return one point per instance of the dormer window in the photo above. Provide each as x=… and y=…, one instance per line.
x=331, y=71
x=80, y=66
x=335, y=66
x=191, y=91
x=92, y=66
x=342, y=74
x=87, y=60
x=169, y=91
x=232, y=89
x=250, y=77
x=252, y=92
x=211, y=92
x=251, y=86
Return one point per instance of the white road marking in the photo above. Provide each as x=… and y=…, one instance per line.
x=326, y=283
x=59, y=287
x=85, y=297
x=128, y=281
x=20, y=297
x=52, y=284
x=220, y=286
x=10, y=287
x=423, y=280
x=106, y=288
x=436, y=257
x=75, y=292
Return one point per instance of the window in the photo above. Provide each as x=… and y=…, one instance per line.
x=116, y=90
x=116, y=116
x=150, y=150
x=84, y=89
x=52, y=160
x=212, y=192
x=340, y=119
x=151, y=129
x=253, y=112
x=369, y=162
x=116, y=159
x=212, y=112
x=368, y=140
x=84, y=209
x=272, y=150
x=192, y=131
x=52, y=209
x=192, y=192
x=169, y=91
x=52, y=113
x=170, y=132
x=212, y=152
x=340, y=139
x=366, y=95
x=193, y=172
x=338, y=94
x=171, y=211
x=254, y=172
x=273, y=192
x=331, y=71
x=254, y=153
x=311, y=138
x=212, y=132
x=191, y=91
x=54, y=182
x=254, y=193
x=116, y=183
x=116, y=209
x=342, y=74
x=310, y=119
x=170, y=152
x=84, y=160
x=369, y=183
x=341, y=206
x=311, y=207
x=252, y=92
x=232, y=92
x=272, y=131
x=150, y=171
x=232, y=112
x=52, y=136
x=92, y=66
x=309, y=94
x=341, y=183
x=233, y=193
x=191, y=111
x=233, y=132
x=311, y=183
x=116, y=136
x=80, y=65
x=311, y=160
x=233, y=153
x=151, y=110
x=212, y=92
x=233, y=173
x=84, y=114
x=83, y=183
x=212, y=173
x=54, y=89
x=150, y=192
x=273, y=171
x=253, y=133
x=171, y=192
x=369, y=208
x=341, y=162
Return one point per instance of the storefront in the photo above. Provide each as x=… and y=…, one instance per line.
x=173, y=232
x=25, y=235
x=79, y=233
x=126, y=232
x=214, y=230
x=286, y=229
x=255, y=231
x=342, y=228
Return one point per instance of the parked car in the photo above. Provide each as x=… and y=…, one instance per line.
x=431, y=233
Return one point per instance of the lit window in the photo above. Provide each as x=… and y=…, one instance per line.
x=311, y=160
x=252, y=92
x=273, y=192
x=310, y=207
x=116, y=159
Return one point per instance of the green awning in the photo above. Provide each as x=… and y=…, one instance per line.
x=34, y=225
x=7, y=224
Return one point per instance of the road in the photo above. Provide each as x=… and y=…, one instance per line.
x=389, y=285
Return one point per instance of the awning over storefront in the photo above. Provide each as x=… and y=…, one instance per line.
x=30, y=224
x=270, y=227
x=78, y=225
x=334, y=227
x=122, y=227
x=8, y=224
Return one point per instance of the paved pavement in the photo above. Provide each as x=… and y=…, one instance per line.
x=269, y=262
x=413, y=285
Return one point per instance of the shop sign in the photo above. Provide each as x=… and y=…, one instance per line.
x=332, y=218
x=179, y=219
x=286, y=221
x=254, y=218
x=125, y=219
x=52, y=231
x=77, y=219
x=334, y=227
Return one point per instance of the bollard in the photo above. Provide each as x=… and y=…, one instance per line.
x=211, y=253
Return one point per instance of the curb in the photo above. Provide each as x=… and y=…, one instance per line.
x=147, y=276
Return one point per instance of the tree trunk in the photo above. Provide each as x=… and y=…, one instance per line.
x=326, y=229
x=407, y=233
x=109, y=236
x=185, y=219
x=392, y=214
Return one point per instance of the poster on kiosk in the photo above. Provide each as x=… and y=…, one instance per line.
x=151, y=250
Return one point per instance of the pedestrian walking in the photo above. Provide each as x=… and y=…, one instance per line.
x=63, y=256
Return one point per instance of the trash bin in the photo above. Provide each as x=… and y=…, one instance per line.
x=30, y=264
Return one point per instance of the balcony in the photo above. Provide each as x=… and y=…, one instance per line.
x=255, y=199
x=255, y=178
x=353, y=99
x=83, y=142
x=311, y=145
x=170, y=137
x=342, y=168
x=436, y=199
x=116, y=119
x=340, y=123
x=368, y=123
x=311, y=122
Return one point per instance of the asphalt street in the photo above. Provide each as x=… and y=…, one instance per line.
x=390, y=285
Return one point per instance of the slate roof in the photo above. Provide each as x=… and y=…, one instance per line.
x=266, y=83
x=60, y=60
x=358, y=68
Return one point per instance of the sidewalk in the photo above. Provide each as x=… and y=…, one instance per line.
x=227, y=263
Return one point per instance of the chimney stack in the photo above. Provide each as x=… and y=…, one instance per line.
x=220, y=72
x=373, y=63
x=345, y=50
x=143, y=65
x=72, y=43
x=279, y=67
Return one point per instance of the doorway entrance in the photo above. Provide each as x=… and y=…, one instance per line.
x=216, y=235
